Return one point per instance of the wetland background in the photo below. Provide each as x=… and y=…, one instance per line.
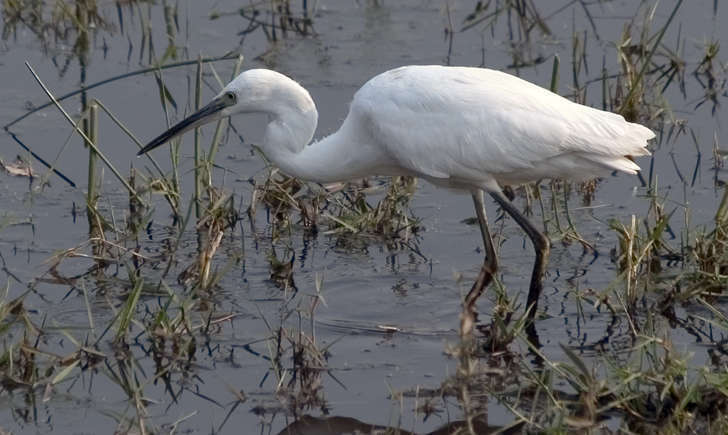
x=205, y=292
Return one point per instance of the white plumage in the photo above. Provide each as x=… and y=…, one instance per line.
x=477, y=126
x=467, y=128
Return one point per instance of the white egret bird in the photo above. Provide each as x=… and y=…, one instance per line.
x=465, y=128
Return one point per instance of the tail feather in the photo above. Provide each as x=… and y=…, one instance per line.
x=623, y=164
x=640, y=135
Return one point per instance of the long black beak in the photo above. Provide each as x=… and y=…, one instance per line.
x=202, y=116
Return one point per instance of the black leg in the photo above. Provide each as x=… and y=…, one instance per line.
x=487, y=271
x=540, y=244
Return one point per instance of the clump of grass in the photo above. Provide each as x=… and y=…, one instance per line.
x=650, y=387
x=522, y=18
x=275, y=19
x=296, y=358
x=389, y=218
x=710, y=254
x=643, y=250
x=55, y=24
x=661, y=393
x=283, y=196
x=344, y=210
x=635, y=97
x=640, y=253
x=219, y=217
x=26, y=364
x=555, y=212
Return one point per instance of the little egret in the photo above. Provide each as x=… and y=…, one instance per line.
x=471, y=129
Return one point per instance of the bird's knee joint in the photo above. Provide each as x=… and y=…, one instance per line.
x=491, y=266
x=544, y=244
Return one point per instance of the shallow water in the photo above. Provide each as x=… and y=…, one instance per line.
x=363, y=288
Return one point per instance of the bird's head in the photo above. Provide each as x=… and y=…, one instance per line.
x=252, y=91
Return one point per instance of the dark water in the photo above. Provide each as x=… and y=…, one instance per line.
x=363, y=288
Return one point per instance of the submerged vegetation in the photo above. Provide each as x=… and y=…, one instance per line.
x=153, y=279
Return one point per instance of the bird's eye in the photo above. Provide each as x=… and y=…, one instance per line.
x=230, y=97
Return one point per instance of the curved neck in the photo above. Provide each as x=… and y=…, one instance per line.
x=342, y=156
